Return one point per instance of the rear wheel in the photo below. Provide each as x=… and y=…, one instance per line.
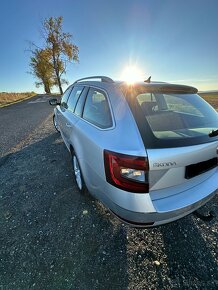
x=55, y=123
x=78, y=174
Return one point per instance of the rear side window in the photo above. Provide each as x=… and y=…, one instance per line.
x=73, y=98
x=65, y=97
x=97, y=110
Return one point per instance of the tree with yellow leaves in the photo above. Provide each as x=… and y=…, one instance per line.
x=59, y=51
x=61, y=48
x=42, y=68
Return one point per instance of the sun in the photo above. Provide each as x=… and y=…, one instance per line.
x=132, y=74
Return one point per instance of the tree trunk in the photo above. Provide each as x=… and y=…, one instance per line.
x=57, y=71
x=47, y=88
x=59, y=83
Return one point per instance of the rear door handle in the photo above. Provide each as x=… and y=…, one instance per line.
x=68, y=125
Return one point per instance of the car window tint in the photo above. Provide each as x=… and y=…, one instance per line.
x=177, y=116
x=96, y=109
x=148, y=102
x=180, y=105
x=147, y=97
x=73, y=98
x=80, y=103
x=65, y=97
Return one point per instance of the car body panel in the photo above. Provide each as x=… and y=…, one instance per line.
x=171, y=162
x=171, y=195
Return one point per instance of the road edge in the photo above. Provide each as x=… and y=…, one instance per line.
x=18, y=101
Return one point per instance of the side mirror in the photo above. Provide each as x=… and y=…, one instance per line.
x=54, y=102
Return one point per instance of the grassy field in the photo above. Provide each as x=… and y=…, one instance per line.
x=211, y=98
x=7, y=98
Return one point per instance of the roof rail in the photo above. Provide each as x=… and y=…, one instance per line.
x=103, y=79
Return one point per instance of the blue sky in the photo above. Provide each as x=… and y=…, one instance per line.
x=171, y=40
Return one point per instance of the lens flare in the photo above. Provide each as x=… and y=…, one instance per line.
x=132, y=74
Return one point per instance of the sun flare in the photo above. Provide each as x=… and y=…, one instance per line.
x=132, y=74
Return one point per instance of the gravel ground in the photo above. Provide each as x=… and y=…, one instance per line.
x=52, y=237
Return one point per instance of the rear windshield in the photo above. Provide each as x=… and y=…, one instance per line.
x=186, y=118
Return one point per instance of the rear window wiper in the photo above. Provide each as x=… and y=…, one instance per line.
x=213, y=133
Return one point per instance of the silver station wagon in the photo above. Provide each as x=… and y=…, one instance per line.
x=148, y=151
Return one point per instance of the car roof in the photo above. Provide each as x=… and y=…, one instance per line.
x=147, y=86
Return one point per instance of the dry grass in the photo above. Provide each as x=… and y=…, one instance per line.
x=211, y=98
x=7, y=98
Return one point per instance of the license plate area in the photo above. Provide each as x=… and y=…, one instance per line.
x=199, y=168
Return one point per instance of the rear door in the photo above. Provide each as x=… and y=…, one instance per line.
x=90, y=131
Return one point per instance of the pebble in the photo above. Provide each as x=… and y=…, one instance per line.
x=157, y=263
x=7, y=215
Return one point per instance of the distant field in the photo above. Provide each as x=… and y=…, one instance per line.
x=211, y=98
x=7, y=98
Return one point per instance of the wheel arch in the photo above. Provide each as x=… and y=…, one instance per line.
x=71, y=149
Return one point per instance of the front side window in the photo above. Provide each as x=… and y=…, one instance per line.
x=73, y=98
x=96, y=109
x=65, y=97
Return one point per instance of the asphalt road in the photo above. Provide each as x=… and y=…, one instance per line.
x=52, y=237
x=18, y=120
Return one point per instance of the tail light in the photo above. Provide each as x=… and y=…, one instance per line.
x=127, y=172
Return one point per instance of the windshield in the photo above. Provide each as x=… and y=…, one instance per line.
x=178, y=119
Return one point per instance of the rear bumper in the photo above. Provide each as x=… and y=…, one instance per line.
x=169, y=208
x=147, y=220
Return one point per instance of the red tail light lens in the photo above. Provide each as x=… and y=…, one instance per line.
x=126, y=172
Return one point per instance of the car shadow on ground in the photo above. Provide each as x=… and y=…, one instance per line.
x=52, y=237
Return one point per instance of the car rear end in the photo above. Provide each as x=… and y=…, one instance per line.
x=178, y=171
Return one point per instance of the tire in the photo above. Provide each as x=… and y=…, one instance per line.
x=55, y=124
x=78, y=174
